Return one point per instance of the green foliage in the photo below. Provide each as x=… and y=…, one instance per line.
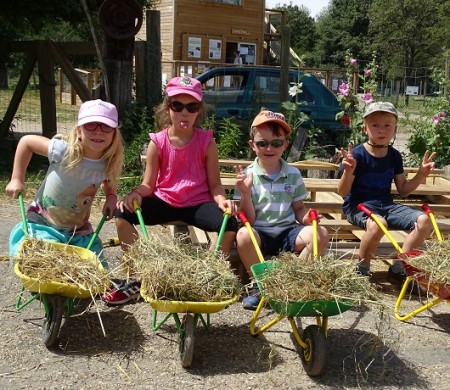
x=137, y=123
x=349, y=101
x=431, y=130
x=232, y=141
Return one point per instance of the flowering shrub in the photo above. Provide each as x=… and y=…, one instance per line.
x=431, y=130
x=349, y=101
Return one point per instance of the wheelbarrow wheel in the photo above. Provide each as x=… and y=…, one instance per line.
x=187, y=340
x=315, y=355
x=54, y=308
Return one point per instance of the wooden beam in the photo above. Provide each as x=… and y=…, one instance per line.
x=30, y=62
x=80, y=88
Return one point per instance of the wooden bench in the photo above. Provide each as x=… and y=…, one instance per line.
x=323, y=197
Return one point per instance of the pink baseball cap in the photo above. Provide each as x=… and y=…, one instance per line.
x=185, y=85
x=98, y=111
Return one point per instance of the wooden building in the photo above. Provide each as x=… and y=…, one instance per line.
x=196, y=34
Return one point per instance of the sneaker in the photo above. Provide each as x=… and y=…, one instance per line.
x=122, y=292
x=251, y=301
x=398, y=277
x=359, y=272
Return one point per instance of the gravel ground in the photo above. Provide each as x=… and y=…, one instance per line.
x=367, y=348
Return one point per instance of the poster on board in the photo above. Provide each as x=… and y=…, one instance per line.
x=194, y=47
x=215, y=49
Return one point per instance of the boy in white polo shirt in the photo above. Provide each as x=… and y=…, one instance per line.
x=271, y=195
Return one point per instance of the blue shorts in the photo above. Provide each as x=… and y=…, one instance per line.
x=397, y=216
x=49, y=233
x=284, y=242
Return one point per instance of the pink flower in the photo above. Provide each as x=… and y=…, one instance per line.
x=436, y=119
x=368, y=72
x=353, y=61
x=344, y=89
x=442, y=114
x=367, y=98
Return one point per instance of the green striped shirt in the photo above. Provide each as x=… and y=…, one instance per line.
x=273, y=197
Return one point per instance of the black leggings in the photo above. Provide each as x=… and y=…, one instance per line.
x=206, y=216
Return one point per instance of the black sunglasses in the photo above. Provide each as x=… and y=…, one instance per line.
x=190, y=107
x=276, y=143
x=92, y=126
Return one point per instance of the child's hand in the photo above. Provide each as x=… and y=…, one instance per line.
x=244, y=183
x=14, y=187
x=348, y=162
x=127, y=202
x=109, y=207
x=427, y=163
x=226, y=204
x=308, y=221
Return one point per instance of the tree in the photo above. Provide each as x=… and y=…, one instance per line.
x=343, y=26
x=303, y=30
x=404, y=34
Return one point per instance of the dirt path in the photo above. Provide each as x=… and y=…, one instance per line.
x=364, y=351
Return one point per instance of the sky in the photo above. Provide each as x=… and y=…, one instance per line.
x=315, y=6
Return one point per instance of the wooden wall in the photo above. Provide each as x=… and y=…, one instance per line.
x=184, y=20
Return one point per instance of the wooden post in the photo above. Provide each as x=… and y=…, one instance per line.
x=153, y=78
x=47, y=84
x=285, y=45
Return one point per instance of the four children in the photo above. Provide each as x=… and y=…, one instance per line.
x=182, y=182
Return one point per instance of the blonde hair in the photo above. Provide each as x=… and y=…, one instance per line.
x=113, y=155
x=162, y=115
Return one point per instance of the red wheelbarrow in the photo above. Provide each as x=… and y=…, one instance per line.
x=440, y=291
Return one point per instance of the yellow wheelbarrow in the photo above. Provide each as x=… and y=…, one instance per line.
x=441, y=292
x=313, y=339
x=191, y=312
x=57, y=298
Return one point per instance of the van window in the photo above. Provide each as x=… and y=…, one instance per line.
x=224, y=89
x=266, y=89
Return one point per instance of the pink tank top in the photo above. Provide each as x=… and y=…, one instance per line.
x=182, y=179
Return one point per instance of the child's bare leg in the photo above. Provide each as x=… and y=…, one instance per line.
x=246, y=249
x=304, y=241
x=127, y=233
x=370, y=241
x=419, y=234
x=227, y=242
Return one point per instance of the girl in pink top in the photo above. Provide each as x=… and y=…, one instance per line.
x=181, y=180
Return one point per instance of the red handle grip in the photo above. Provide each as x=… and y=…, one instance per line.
x=426, y=208
x=362, y=207
x=313, y=215
x=241, y=215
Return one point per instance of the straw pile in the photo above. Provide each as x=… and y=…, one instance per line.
x=176, y=271
x=324, y=278
x=40, y=260
x=434, y=263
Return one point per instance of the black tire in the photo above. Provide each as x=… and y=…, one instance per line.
x=53, y=317
x=187, y=340
x=314, y=357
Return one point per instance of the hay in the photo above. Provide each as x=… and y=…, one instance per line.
x=324, y=278
x=172, y=270
x=434, y=263
x=40, y=260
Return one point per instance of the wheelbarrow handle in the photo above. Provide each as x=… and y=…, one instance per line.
x=367, y=211
x=226, y=216
x=138, y=211
x=97, y=230
x=23, y=214
x=314, y=216
x=241, y=215
x=426, y=208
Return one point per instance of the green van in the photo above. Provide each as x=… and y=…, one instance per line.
x=241, y=91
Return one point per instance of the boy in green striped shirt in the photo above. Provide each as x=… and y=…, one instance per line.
x=271, y=195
